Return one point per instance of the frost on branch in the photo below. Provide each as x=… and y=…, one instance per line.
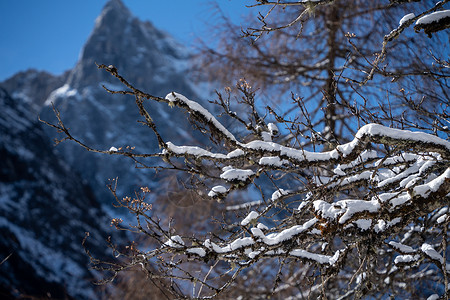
x=345, y=220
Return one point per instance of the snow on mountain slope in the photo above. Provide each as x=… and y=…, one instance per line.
x=33, y=87
x=45, y=210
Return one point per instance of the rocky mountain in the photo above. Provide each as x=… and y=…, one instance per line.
x=50, y=196
x=33, y=87
x=149, y=59
x=45, y=210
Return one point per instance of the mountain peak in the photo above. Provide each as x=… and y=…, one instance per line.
x=131, y=45
x=118, y=4
x=114, y=10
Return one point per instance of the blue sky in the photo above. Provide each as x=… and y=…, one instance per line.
x=49, y=34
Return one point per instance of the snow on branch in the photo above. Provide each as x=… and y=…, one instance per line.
x=326, y=210
x=367, y=133
x=429, y=20
x=433, y=22
x=409, y=183
x=195, y=107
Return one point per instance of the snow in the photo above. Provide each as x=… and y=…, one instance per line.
x=274, y=161
x=257, y=232
x=235, y=153
x=211, y=245
x=382, y=225
x=410, y=181
x=244, y=205
x=302, y=205
x=300, y=155
x=319, y=258
x=113, y=149
x=416, y=169
x=361, y=176
x=262, y=226
x=434, y=17
x=270, y=240
x=200, y=153
x=278, y=193
x=237, y=244
x=405, y=171
x=406, y=18
x=432, y=186
x=399, y=199
x=327, y=210
x=361, y=277
x=218, y=189
x=406, y=258
x=431, y=252
x=175, y=241
x=346, y=149
x=197, y=250
x=291, y=153
x=273, y=128
x=63, y=92
x=266, y=136
x=441, y=219
x=405, y=157
x=250, y=217
x=356, y=206
x=345, y=209
x=276, y=238
x=380, y=130
x=401, y=248
x=253, y=254
x=282, y=155
x=363, y=224
x=194, y=106
x=232, y=174
x=338, y=171
x=193, y=150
